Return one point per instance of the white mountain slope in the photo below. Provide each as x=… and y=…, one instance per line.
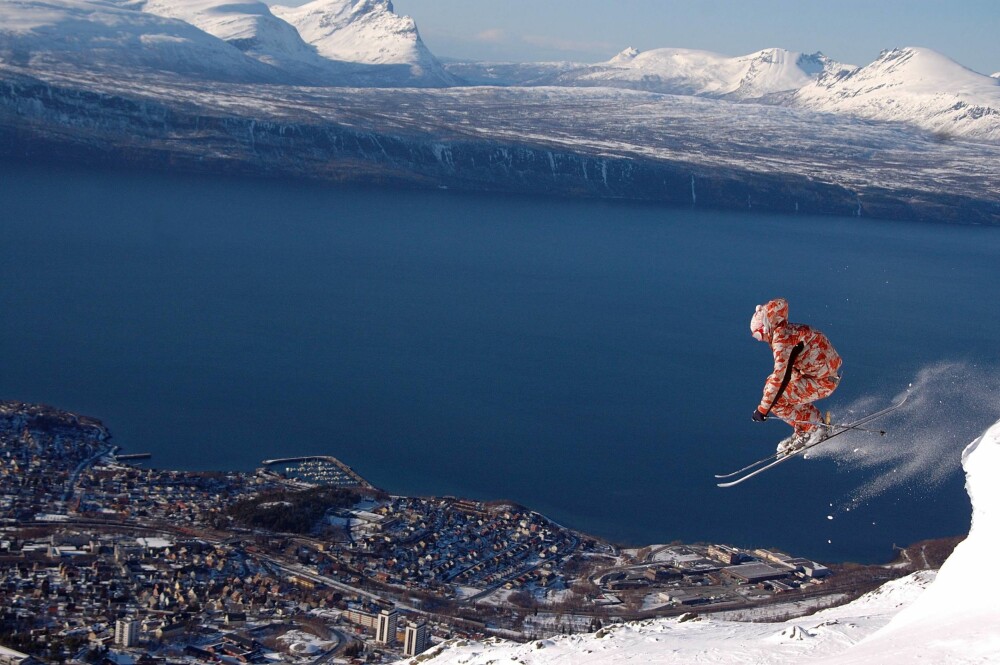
x=99, y=35
x=366, y=32
x=251, y=27
x=917, y=86
x=704, y=73
x=361, y=43
x=952, y=618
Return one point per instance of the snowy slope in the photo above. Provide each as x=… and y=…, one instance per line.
x=366, y=32
x=704, y=73
x=948, y=619
x=250, y=27
x=957, y=620
x=98, y=35
x=917, y=86
x=359, y=43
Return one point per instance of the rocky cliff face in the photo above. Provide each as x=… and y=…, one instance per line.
x=420, y=144
x=107, y=128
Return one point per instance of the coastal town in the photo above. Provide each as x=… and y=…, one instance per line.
x=105, y=559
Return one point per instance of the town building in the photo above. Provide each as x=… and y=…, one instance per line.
x=11, y=657
x=386, y=632
x=754, y=573
x=126, y=632
x=416, y=639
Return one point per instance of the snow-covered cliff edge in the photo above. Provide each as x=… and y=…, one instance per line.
x=950, y=618
x=957, y=619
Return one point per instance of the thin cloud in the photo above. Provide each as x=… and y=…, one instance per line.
x=492, y=36
x=567, y=45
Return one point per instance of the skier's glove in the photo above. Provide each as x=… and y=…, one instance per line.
x=759, y=417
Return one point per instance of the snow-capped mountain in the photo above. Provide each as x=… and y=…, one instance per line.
x=367, y=32
x=360, y=43
x=706, y=74
x=251, y=28
x=98, y=35
x=946, y=619
x=916, y=86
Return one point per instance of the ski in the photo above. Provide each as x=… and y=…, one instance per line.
x=837, y=427
x=775, y=459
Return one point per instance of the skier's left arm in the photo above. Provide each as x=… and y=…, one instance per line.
x=782, y=350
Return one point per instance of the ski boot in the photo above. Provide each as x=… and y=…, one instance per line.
x=822, y=431
x=795, y=442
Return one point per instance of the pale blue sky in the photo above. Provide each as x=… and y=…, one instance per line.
x=851, y=31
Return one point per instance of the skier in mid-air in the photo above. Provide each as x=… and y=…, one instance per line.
x=806, y=368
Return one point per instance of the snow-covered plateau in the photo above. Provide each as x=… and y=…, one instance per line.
x=345, y=91
x=948, y=618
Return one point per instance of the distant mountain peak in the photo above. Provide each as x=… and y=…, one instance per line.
x=916, y=58
x=365, y=32
x=626, y=55
x=915, y=85
x=764, y=74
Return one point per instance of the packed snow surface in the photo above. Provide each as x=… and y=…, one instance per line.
x=951, y=618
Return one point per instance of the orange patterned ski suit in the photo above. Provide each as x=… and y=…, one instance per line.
x=814, y=373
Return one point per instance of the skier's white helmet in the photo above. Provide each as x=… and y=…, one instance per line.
x=767, y=318
x=759, y=326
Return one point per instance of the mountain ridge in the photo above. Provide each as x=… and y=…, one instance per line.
x=108, y=79
x=363, y=43
x=705, y=73
x=914, y=85
x=367, y=32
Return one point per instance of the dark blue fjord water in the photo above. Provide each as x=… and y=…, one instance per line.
x=590, y=360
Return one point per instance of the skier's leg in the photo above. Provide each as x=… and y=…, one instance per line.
x=795, y=405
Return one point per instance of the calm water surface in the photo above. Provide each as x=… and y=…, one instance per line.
x=589, y=360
